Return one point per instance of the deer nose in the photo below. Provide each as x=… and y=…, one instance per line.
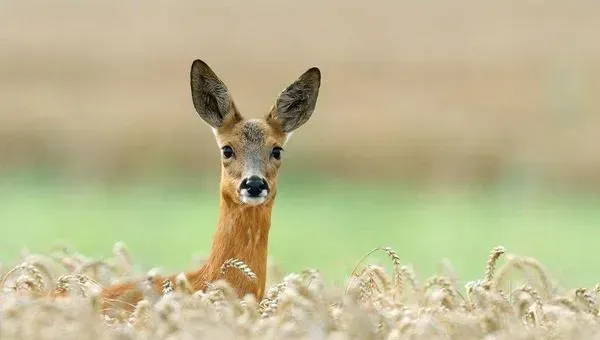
x=254, y=185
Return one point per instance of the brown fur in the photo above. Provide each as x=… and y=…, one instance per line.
x=243, y=229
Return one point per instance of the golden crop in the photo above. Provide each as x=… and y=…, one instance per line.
x=516, y=300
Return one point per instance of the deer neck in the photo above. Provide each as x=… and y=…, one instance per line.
x=242, y=233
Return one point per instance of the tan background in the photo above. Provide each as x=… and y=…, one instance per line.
x=420, y=90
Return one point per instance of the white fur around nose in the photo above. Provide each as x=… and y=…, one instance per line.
x=251, y=200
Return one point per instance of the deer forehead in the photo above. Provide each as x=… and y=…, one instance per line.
x=251, y=134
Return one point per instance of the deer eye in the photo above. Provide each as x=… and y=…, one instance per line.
x=227, y=152
x=276, y=153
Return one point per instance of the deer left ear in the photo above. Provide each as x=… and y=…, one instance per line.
x=211, y=97
x=297, y=102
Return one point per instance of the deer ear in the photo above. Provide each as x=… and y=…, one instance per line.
x=210, y=96
x=297, y=102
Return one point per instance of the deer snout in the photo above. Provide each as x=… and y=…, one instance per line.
x=254, y=186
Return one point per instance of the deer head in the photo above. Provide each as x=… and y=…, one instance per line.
x=251, y=149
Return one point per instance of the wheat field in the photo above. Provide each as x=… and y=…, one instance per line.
x=514, y=298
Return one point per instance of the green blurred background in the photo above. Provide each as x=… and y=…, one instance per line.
x=442, y=129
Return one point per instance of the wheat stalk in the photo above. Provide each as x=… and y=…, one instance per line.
x=167, y=287
x=490, y=268
x=239, y=265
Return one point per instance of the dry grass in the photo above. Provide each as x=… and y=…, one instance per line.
x=516, y=301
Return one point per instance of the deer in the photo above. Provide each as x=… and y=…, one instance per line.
x=251, y=156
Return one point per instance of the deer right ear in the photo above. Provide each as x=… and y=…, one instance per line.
x=210, y=96
x=297, y=102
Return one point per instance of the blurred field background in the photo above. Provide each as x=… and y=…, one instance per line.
x=442, y=128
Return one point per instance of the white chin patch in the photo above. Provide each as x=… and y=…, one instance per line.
x=253, y=200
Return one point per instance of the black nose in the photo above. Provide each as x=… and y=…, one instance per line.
x=254, y=185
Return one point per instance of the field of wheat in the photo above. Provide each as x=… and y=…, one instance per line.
x=514, y=298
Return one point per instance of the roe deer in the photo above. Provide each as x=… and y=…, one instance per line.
x=251, y=152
